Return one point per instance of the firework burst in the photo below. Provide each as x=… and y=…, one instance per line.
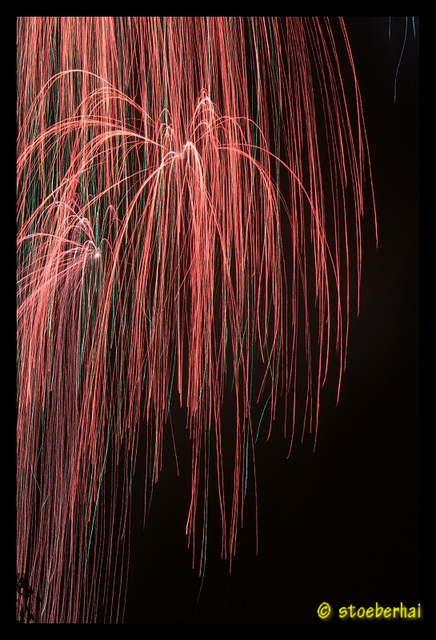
x=190, y=194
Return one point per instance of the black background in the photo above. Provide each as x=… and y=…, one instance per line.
x=339, y=524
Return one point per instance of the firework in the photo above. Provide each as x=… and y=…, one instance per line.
x=190, y=194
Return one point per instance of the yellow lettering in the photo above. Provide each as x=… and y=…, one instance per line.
x=378, y=611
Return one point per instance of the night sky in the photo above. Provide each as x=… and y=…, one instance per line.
x=339, y=524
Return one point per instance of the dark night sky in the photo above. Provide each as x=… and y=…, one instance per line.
x=341, y=524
